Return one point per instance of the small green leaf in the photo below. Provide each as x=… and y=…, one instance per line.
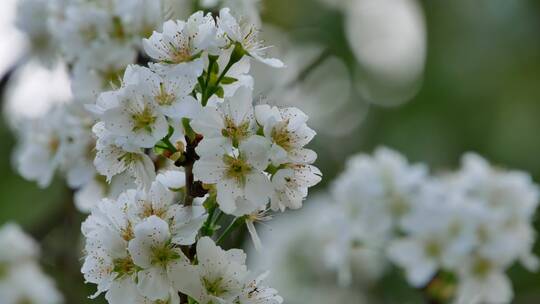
x=220, y=92
x=200, y=80
x=215, y=68
x=228, y=80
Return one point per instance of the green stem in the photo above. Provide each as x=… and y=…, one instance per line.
x=210, y=90
x=169, y=145
x=187, y=129
x=205, y=91
x=166, y=140
x=208, y=227
x=163, y=147
x=232, y=226
x=218, y=217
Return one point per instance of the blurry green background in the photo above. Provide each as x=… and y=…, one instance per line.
x=480, y=92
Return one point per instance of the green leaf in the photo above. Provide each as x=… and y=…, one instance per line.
x=228, y=80
x=215, y=68
x=220, y=92
x=200, y=80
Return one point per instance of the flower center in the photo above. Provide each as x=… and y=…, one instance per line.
x=164, y=98
x=111, y=78
x=282, y=138
x=182, y=53
x=432, y=249
x=144, y=120
x=161, y=256
x=237, y=168
x=148, y=210
x=482, y=267
x=89, y=33
x=127, y=233
x=214, y=287
x=124, y=267
x=129, y=158
x=54, y=144
x=235, y=132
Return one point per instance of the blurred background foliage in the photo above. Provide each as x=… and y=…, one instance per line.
x=480, y=92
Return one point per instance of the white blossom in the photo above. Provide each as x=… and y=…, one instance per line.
x=21, y=278
x=245, y=36
x=171, y=92
x=289, y=133
x=230, y=123
x=183, y=42
x=291, y=185
x=112, y=159
x=242, y=186
x=219, y=276
x=153, y=251
x=137, y=117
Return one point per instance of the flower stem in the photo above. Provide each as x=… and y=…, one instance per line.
x=232, y=226
x=211, y=89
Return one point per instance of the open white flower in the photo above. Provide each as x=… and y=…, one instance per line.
x=82, y=26
x=137, y=117
x=28, y=284
x=140, y=17
x=219, y=276
x=380, y=189
x=185, y=221
x=253, y=293
x=108, y=263
x=183, y=42
x=21, y=278
x=112, y=158
x=15, y=246
x=245, y=36
x=153, y=251
x=289, y=133
x=100, y=68
x=32, y=16
x=291, y=185
x=171, y=92
x=157, y=201
x=482, y=281
x=41, y=151
x=242, y=186
x=230, y=123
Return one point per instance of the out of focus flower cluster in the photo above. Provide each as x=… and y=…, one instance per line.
x=21, y=277
x=455, y=235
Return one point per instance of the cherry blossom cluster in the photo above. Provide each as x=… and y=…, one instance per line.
x=454, y=235
x=98, y=40
x=195, y=106
x=137, y=252
x=21, y=277
x=200, y=154
x=463, y=229
x=163, y=154
x=468, y=229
